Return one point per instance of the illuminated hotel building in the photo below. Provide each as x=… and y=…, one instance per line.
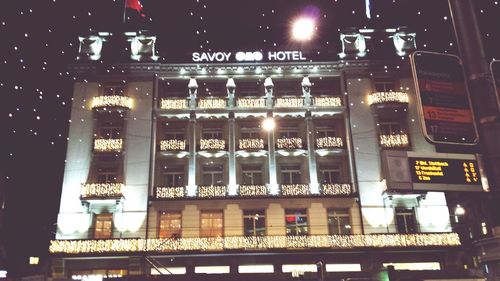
x=255, y=170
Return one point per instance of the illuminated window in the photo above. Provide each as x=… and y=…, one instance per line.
x=107, y=174
x=296, y=222
x=405, y=220
x=414, y=265
x=173, y=175
x=329, y=174
x=256, y=268
x=105, y=273
x=254, y=222
x=290, y=174
x=213, y=175
x=211, y=224
x=170, y=225
x=103, y=226
x=252, y=175
x=221, y=269
x=339, y=221
x=384, y=85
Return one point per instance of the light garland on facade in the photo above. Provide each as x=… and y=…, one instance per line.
x=251, y=144
x=252, y=190
x=329, y=142
x=334, y=189
x=108, y=145
x=295, y=190
x=383, y=97
x=210, y=103
x=327, y=101
x=172, y=145
x=173, y=104
x=289, y=102
x=289, y=143
x=212, y=191
x=170, y=192
x=254, y=242
x=111, y=101
x=251, y=102
x=212, y=144
x=397, y=140
x=101, y=190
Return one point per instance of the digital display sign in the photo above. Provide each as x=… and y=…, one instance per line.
x=444, y=171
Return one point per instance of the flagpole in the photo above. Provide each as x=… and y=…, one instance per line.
x=124, y=10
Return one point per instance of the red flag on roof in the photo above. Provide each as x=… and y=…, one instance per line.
x=134, y=5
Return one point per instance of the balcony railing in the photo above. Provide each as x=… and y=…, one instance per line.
x=289, y=143
x=327, y=101
x=335, y=242
x=111, y=101
x=385, y=97
x=101, y=190
x=212, y=103
x=251, y=144
x=212, y=191
x=251, y=102
x=253, y=190
x=108, y=145
x=329, y=142
x=173, y=145
x=170, y=192
x=289, y=101
x=336, y=189
x=295, y=190
x=394, y=141
x=212, y=144
x=173, y=104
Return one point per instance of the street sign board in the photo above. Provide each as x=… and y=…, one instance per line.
x=443, y=99
x=447, y=171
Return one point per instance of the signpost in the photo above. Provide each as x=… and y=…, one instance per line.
x=443, y=99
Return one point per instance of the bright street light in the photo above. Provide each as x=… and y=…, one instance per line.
x=268, y=124
x=303, y=29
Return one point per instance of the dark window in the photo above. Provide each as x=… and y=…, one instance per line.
x=339, y=221
x=107, y=175
x=330, y=174
x=212, y=133
x=405, y=220
x=296, y=222
x=114, y=91
x=383, y=85
x=251, y=175
x=173, y=175
x=110, y=130
x=213, y=175
x=290, y=175
x=289, y=132
x=323, y=132
x=390, y=128
x=254, y=222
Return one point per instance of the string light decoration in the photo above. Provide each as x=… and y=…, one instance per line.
x=253, y=190
x=101, y=190
x=251, y=102
x=295, y=190
x=334, y=189
x=395, y=140
x=289, y=143
x=383, y=97
x=172, y=145
x=251, y=144
x=327, y=101
x=111, y=101
x=173, y=104
x=170, y=192
x=212, y=191
x=329, y=142
x=108, y=145
x=212, y=144
x=165, y=245
x=211, y=103
x=289, y=102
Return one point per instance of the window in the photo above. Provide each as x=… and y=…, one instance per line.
x=212, y=133
x=290, y=175
x=384, y=85
x=173, y=175
x=212, y=175
x=405, y=220
x=323, y=132
x=174, y=134
x=296, y=222
x=289, y=132
x=329, y=174
x=250, y=133
x=110, y=130
x=103, y=226
x=339, y=221
x=211, y=224
x=390, y=128
x=251, y=175
x=107, y=175
x=254, y=222
x=170, y=225
x=113, y=91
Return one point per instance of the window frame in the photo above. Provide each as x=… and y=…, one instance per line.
x=172, y=233
x=287, y=169
x=405, y=213
x=297, y=213
x=173, y=172
x=330, y=169
x=252, y=215
x=107, y=217
x=212, y=174
x=245, y=170
x=342, y=213
x=221, y=212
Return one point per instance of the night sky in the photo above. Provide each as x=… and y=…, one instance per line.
x=39, y=39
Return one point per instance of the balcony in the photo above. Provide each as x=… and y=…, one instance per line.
x=253, y=190
x=212, y=191
x=173, y=145
x=289, y=102
x=291, y=190
x=289, y=143
x=171, y=192
x=388, y=97
x=251, y=144
x=108, y=145
x=231, y=243
x=329, y=142
x=212, y=144
x=327, y=101
x=336, y=189
x=251, y=102
x=173, y=104
x=394, y=141
x=101, y=190
x=107, y=102
x=212, y=103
